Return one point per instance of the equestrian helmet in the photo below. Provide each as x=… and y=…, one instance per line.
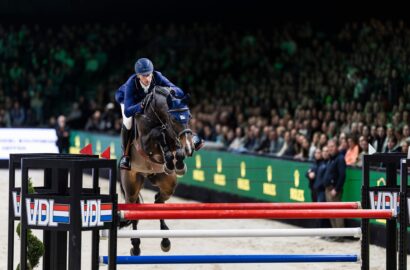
x=144, y=66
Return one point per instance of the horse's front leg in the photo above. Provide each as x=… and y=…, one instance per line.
x=180, y=166
x=169, y=166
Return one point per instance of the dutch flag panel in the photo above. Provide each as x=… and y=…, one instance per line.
x=106, y=212
x=61, y=213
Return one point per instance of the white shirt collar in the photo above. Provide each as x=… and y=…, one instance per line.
x=144, y=87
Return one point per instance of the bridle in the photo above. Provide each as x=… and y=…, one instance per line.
x=165, y=125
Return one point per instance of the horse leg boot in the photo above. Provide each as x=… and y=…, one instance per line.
x=126, y=139
x=180, y=166
x=165, y=243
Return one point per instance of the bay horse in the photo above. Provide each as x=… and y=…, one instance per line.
x=158, y=151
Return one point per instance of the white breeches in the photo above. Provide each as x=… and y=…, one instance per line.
x=126, y=121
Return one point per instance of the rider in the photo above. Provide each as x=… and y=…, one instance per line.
x=131, y=98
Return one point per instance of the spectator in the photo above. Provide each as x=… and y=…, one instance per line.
x=63, y=135
x=94, y=122
x=364, y=149
x=319, y=184
x=405, y=133
x=334, y=179
x=380, y=142
x=238, y=143
x=312, y=174
x=17, y=115
x=405, y=147
x=275, y=142
x=304, y=149
x=352, y=153
x=314, y=145
x=287, y=148
x=392, y=146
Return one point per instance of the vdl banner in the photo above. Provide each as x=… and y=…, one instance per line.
x=45, y=212
x=257, y=177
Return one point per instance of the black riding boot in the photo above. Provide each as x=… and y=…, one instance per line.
x=126, y=137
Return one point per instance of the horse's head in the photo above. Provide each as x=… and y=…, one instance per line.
x=174, y=113
x=179, y=116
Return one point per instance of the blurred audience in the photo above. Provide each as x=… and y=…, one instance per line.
x=283, y=91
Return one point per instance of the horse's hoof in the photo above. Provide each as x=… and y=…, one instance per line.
x=165, y=245
x=168, y=171
x=134, y=252
x=181, y=171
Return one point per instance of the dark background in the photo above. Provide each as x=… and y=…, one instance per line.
x=244, y=13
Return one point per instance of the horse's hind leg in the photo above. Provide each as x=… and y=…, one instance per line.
x=135, y=242
x=132, y=184
x=166, y=184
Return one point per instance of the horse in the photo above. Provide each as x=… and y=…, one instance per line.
x=162, y=141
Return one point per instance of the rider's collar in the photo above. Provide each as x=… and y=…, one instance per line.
x=146, y=88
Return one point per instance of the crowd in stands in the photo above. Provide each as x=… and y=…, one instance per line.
x=283, y=91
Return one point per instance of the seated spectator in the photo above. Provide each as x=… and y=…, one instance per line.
x=405, y=133
x=108, y=118
x=94, y=122
x=275, y=142
x=209, y=134
x=392, y=145
x=288, y=149
x=254, y=139
x=304, y=149
x=4, y=118
x=238, y=143
x=404, y=147
x=380, y=142
x=264, y=141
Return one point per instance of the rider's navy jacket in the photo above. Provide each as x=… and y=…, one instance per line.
x=131, y=92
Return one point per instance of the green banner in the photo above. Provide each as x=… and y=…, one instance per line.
x=100, y=142
x=260, y=178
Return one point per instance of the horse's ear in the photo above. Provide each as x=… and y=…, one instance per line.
x=169, y=101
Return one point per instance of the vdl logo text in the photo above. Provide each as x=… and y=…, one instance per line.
x=94, y=213
x=383, y=200
x=44, y=212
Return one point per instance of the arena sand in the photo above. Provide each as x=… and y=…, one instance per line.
x=279, y=245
